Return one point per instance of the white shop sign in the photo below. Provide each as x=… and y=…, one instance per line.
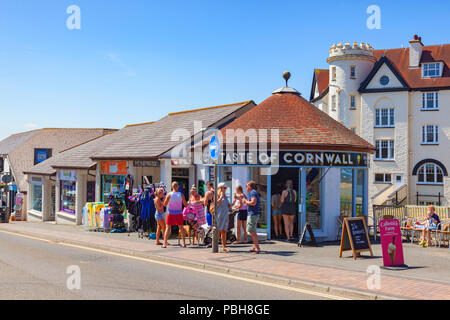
x=68, y=175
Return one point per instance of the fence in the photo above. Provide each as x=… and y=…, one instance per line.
x=410, y=211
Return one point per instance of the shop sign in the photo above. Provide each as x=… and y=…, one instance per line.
x=146, y=163
x=391, y=242
x=113, y=167
x=295, y=158
x=68, y=175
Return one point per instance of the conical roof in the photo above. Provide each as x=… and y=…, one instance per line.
x=301, y=125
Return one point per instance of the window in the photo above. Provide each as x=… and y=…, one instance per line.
x=385, y=150
x=430, y=134
x=333, y=73
x=383, y=177
x=430, y=173
x=352, y=101
x=333, y=103
x=41, y=155
x=384, y=117
x=68, y=196
x=431, y=70
x=36, y=196
x=353, y=129
x=430, y=101
x=352, y=72
x=346, y=192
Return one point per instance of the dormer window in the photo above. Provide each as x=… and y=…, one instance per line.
x=431, y=70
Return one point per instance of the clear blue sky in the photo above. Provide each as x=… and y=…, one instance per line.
x=134, y=61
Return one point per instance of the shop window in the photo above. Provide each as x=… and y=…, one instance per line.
x=112, y=185
x=68, y=196
x=359, y=191
x=36, y=197
x=346, y=192
x=313, y=197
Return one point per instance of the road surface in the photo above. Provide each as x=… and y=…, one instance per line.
x=35, y=269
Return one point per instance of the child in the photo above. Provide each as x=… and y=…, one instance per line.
x=159, y=215
x=431, y=223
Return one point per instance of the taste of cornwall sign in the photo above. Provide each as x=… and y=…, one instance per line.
x=294, y=158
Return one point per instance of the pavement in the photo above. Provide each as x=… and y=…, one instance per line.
x=315, y=268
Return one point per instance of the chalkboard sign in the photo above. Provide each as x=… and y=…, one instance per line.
x=355, y=237
x=311, y=235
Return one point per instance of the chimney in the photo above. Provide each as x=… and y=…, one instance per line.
x=415, y=51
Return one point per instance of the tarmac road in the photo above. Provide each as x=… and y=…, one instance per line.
x=35, y=269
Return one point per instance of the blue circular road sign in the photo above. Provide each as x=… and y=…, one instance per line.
x=214, y=148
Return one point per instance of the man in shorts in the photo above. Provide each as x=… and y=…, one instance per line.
x=253, y=214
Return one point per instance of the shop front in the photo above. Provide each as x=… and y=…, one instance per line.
x=324, y=189
x=287, y=142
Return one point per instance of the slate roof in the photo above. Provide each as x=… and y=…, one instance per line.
x=154, y=140
x=301, y=125
x=21, y=147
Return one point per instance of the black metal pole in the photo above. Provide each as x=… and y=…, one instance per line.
x=215, y=239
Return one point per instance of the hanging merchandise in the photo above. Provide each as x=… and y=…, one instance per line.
x=141, y=209
x=117, y=206
x=18, y=206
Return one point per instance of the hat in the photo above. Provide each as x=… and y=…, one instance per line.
x=222, y=185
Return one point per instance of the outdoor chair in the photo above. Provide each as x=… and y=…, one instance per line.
x=445, y=231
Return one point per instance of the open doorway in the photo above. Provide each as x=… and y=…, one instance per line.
x=278, y=184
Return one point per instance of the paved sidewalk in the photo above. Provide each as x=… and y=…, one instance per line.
x=285, y=263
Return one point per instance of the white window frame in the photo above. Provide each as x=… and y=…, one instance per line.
x=423, y=171
x=384, y=178
x=353, y=68
x=390, y=145
x=433, y=130
x=333, y=102
x=435, y=66
x=430, y=96
x=353, y=97
x=379, y=117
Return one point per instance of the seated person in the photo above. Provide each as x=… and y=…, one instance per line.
x=432, y=222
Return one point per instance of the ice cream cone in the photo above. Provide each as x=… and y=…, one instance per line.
x=392, y=256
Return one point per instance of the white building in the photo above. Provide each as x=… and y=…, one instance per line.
x=398, y=100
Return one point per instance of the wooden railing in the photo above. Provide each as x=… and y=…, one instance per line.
x=401, y=212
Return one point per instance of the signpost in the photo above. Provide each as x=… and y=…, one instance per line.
x=391, y=244
x=355, y=237
x=214, y=151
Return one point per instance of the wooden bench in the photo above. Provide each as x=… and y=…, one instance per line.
x=445, y=231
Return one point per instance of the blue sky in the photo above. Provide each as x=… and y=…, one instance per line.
x=134, y=61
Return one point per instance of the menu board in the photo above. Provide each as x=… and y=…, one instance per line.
x=355, y=237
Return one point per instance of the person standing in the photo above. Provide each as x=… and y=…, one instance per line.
x=288, y=209
x=276, y=213
x=222, y=214
x=208, y=201
x=239, y=205
x=159, y=214
x=253, y=214
x=174, y=201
